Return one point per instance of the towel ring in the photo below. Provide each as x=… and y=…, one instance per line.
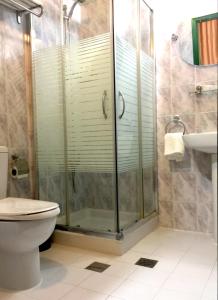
x=176, y=120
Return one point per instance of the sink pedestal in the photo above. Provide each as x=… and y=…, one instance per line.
x=207, y=142
x=214, y=181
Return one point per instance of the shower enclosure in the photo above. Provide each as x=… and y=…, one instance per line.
x=95, y=117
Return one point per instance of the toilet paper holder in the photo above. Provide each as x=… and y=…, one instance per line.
x=19, y=167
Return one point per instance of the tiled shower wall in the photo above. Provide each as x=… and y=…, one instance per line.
x=15, y=104
x=185, y=189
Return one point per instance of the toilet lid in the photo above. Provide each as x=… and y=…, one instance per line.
x=20, y=206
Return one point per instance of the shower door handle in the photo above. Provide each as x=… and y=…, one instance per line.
x=124, y=105
x=104, y=97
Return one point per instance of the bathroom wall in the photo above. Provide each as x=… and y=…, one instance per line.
x=15, y=100
x=185, y=189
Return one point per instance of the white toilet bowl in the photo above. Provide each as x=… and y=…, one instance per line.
x=24, y=225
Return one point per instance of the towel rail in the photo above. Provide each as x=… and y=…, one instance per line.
x=177, y=121
x=23, y=7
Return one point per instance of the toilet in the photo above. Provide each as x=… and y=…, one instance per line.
x=24, y=225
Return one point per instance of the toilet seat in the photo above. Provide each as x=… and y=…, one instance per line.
x=20, y=209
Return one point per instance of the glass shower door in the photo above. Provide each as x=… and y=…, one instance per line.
x=88, y=77
x=127, y=112
x=148, y=110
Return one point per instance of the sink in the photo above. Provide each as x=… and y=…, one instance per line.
x=204, y=142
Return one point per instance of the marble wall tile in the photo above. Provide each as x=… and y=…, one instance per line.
x=181, y=73
x=182, y=100
x=148, y=190
x=166, y=213
x=205, y=217
x=56, y=190
x=3, y=130
x=185, y=216
x=164, y=176
x=43, y=188
x=163, y=162
x=190, y=121
x=161, y=125
x=95, y=19
x=206, y=74
x=207, y=122
x=91, y=190
x=47, y=29
x=163, y=101
x=104, y=191
x=206, y=102
x=17, y=134
x=202, y=164
x=165, y=186
x=128, y=191
x=183, y=166
x=184, y=187
x=163, y=77
x=204, y=189
x=15, y=131
x=19, y=188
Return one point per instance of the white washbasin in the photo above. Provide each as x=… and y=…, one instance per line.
x=204, y=142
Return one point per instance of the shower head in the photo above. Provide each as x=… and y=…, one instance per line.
x=73, y=7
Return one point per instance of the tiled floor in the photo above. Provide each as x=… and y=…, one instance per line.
x=187, y=270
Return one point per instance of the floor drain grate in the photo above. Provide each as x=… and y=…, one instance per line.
x=145, y=262
x=97, y=267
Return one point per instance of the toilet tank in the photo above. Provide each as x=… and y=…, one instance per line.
x=3, y=171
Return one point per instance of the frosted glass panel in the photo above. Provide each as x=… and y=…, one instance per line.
x=148, y=111
x=89, y=105
x=127, y=111
x=48, y=88
x=127, y=126
x=49, y=107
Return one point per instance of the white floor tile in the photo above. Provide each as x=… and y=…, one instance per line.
x=210, y=291
x=120, y=269
x=113, y=298
x=186, y=270
x=130, y=257
x=85, y=260
x=175, y=295
x=83, y=294
x=186, y=283
x=130, y=290
x=149, y=276
x=146, y=247
x=76, y=276
x=101, y=283
x=200, y=258
x=50, y=291
x=52, y=271
x=62, y=255
x=168, y=252
x=196, y=271
x=14, y=296
x=165, y=264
